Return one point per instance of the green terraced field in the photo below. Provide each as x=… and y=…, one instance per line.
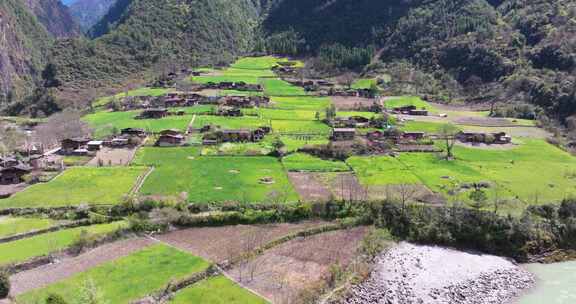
x=278, y=87
x=246, y=122
x=213, y=179
x=305, y=103
x=77, y=186
x=25, y=249
x=126, y=279
x=16, y=225
x=301, y=162
x=216, y=290
x=105, y=123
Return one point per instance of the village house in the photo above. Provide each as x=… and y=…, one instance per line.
x=410, y=110
x=413, y=136
x=229, y=111
x=13, y=174
x=153, y=114
x=169, y=138
x=341, y=134
x=74, y=145
x=484, y=138
x=8, y=161
x=133, y=132
x=94, y=145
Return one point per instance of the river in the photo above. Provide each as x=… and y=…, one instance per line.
x=555, y=284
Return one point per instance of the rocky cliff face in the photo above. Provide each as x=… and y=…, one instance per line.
x=89, y=12
x=55, y=17
x=23, y=44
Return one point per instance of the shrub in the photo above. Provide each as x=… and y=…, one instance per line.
x=4, y=285
x=55, y=299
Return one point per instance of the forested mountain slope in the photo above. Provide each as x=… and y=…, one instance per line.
x=512, y=51
x=23, y=44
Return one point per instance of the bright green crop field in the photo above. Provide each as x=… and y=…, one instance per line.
x=137, y=92
x=77, y=186
x=16, y=225
x=278, y=87
x=302, y=162
x=364, y=83
x=306, y=103
x=126, y=279
x=261, y=63
x=400, y=101
x=245, y=122
x=534, y=172
x=25, y=249
x=226, y=78
x=216, y=290
x=105, y=123
x=300, y=127
x=278, y=114
x=214, y=179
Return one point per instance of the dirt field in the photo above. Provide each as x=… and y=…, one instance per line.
x=49, y=274
x=7, y=190
x=282, y=273
x=343, y=185
x=309, y=187
x=115, y=157
x=350, y=103
x=222, y=243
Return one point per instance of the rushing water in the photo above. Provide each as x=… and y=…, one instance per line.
x=555, y=284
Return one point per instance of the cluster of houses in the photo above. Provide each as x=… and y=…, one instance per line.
x=499, y=138
x=81, y=146
x=238, y=86
x=362, y=93
x=215, y=136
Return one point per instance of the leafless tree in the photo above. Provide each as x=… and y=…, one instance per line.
x=406, y=193
x=447, y=133
x=10, y=139
x=346, y=79
x=67, y=124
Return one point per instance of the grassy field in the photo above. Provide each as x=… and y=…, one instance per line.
x=421, y=126
x=137, y=92
x=356, y=113
x=25, y=249
x=400, y=101
x=15, y=225
x=246, y=122
x=278, y=114
x=76, y=186
x=216, y=290
x=278, y=87
x=302, y=162
x=305, y=103
x=199, y=109
x=300, y=127
x=261, y=63
x=381, y=170
x=105, y=123
x=226, y=78
x=534, y=172
x=126, y=279
x=364, y=83
x=213, y=179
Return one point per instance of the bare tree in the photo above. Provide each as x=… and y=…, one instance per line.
x=406, y=193
x=67, y=124
x=346, y=79
x=448, y=132
x=10, y=139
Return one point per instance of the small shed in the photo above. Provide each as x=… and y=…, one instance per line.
x=95, y=145
x=14, y=174
x=133, y=132
x=169, y=140
x=153, y=114
x=71, y=144
x=343, y=134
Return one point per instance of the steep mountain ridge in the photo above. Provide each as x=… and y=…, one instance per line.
x=55, y=17
x=89, y=12
x=23, y=44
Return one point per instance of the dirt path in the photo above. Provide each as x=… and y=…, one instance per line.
x=49, y=274
x=141, y=180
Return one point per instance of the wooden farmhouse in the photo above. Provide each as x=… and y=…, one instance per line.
x=341, y=134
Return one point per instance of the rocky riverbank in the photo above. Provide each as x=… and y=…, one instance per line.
x=409, y=274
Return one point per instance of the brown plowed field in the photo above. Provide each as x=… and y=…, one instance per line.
x=218, y=244
x=282, y=273
x=49, y=274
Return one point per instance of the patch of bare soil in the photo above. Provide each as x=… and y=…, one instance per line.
x=281, y=274
x=351, y=103
x=115, y=157
x=219, y=244
x=8, y=190
x=309, y=187
x=344, y=186
x=410, y=274
x=67, y=267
